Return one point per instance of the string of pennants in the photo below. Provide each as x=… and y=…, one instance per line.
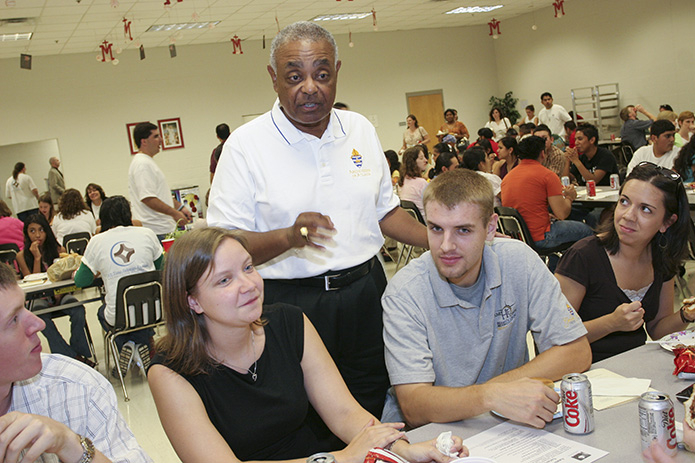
x=107, y=48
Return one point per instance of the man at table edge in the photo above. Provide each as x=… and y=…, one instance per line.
x=442, y=367
x=51, y=404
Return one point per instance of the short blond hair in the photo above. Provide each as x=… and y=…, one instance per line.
x=685, y=115
x=667, y=116
x=461, y=186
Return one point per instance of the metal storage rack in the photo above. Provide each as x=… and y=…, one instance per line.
x=599, y=105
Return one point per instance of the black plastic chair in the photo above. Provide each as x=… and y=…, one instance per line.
x=407, y=250
x=512, y=223
x=76, y=242
x=138, y=307
x=8, y=254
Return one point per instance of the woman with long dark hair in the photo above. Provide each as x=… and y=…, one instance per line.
x=93, y=196
x=411, y=185
x=508, y=157
x=73, y=216
x=46, y=207
x=498, y=123
x=40, y=250
x=622, y=280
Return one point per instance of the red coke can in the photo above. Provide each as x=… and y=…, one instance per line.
x=577, y=404
x=590, y=188
x=657, y=421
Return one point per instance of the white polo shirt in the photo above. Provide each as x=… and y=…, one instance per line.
x=646, y=153
x=555, y=118
x=146, y=180
x=270, y=172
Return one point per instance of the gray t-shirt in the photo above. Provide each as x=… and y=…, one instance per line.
x=431, y=336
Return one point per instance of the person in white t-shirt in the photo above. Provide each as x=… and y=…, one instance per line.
x=553, y=115
x=20, y=188
x=148, y=189
x=498, y=123
x=661, y=150
x=72, y=217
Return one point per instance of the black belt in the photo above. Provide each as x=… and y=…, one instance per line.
x=333, y=279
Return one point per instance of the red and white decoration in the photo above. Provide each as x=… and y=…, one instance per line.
x=126, y=29
x=168, y=2
x=559, y=6
x=494, y=28
x=236, y=43
x=107, y=53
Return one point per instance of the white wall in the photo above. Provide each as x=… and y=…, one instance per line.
x=86, y=104
x=644, y=45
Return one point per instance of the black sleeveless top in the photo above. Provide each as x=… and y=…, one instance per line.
x=265, y=419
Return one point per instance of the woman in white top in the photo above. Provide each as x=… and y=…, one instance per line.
x=73, y=216
x=411, y=185
x=20, y=188
x=498, y=123
x=478, y=160
x=531, y=115
x=94, y=195
x=414, y=134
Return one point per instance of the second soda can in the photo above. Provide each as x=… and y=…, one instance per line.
x=577, y=404
x=615, y=181
x=657, y=421
x=590, y=188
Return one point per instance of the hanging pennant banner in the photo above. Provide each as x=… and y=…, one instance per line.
x=494, y=26
x=559, y=6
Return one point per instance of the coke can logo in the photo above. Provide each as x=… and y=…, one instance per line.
x=671, y=443
x=571, y=409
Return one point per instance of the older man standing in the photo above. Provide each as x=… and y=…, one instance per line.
x=311, y=190
x=56, y=182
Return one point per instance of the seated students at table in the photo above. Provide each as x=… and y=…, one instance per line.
x=233, y=380
x=685, y=161
x=661, y=152
x=11, y=229
x=622, y=279
x=52, y=407
x=73, y=216
x=455, y=319
x=46, y=207
x=411, y=184
x=40, y=250
x=590, y=161
x=120, y=249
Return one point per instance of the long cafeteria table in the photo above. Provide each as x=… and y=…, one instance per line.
x=616, y=429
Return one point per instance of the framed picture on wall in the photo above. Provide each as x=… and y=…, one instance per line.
x=171, y=133
x=131, y=139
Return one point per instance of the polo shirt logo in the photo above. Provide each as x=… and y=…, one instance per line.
x=356, y=158
x=504, y=316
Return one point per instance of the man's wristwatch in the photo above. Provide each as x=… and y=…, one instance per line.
x=88, y=450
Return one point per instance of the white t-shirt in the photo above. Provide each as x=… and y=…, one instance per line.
x=20, y=192
x=270, y=172
x=82, y=222
x=646, y=153
x=496, y=183
x=499, y=129
x=146, y=180
x=120, y=252
x=555, y=119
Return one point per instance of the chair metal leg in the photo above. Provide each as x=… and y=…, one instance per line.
x=114, y=352
x=90, y=343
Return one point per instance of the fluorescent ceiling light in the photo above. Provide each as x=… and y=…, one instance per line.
x=473, y=9
x=181, y=26
x=15, y=37
x=340, y=17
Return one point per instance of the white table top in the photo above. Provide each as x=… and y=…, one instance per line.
x=616, y=429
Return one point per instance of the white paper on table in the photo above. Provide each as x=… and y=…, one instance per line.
x=607, y=382
x=513, y=443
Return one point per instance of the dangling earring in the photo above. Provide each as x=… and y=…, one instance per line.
x=663, y=241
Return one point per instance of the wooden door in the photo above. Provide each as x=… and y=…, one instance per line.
x=428, y=107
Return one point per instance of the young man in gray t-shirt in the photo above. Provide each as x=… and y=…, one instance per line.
x=455, y=320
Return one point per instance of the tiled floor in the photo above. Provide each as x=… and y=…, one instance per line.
x=141, y=413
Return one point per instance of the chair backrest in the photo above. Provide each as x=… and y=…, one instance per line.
x=8, y=253
x=76, y=242
x=512, y=224
x=626, y=153
x=410, y=207
x=139, y=300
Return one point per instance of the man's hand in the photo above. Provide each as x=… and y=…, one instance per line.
x=572, y=154
x=569, y=192
x=628, y=317
x=525, y=400
x=310, y=228
x=187, y=213
x=38, y=435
